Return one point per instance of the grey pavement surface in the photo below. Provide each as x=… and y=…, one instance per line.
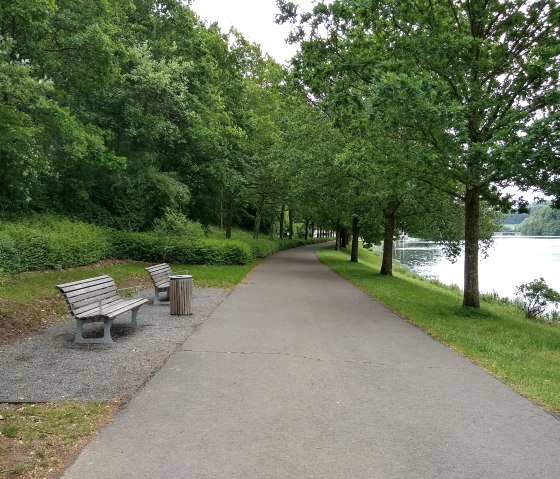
x=298, y=374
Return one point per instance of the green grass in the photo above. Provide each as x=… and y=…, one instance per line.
x=38, y=438
x=524, y=354
x=41, y=284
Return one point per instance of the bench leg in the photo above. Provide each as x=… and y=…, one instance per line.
x=106, y=339
x=133, y=321
x=156, y=295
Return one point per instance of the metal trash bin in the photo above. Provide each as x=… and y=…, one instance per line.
x=180, y=294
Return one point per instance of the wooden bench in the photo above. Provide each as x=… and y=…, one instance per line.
x=159, y=274
x=97, y=300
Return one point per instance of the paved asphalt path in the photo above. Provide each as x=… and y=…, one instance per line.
x=298, y=374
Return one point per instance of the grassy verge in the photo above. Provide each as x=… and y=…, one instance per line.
x=524, y=354
x=37, y=440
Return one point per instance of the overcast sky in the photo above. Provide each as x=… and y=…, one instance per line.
x=254, y=19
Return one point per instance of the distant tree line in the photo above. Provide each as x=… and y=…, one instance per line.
x=543, y=221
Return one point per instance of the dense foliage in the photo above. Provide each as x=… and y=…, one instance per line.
x=116, y=112
x=543, y=221
x=47, y=242
x=462, y=96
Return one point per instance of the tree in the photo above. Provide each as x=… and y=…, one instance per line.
x=475, y=81
x=543, y=221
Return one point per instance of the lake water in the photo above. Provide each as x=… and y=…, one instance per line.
x=512, y=260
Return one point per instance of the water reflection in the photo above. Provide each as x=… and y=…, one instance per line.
x=511, y=261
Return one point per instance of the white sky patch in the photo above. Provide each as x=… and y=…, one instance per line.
x=255, y=20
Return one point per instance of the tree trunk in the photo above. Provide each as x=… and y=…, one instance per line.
x=389, y=216
x=290, y=224
x=355, y=238
x=258, y=216
x=272, y=224
x=307, y=229
x=282, y=210
x=471, y=295
x=229, y=217
x=337, y=242
x=343, y=238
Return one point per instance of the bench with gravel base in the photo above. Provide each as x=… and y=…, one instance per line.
x=159, y=274
x=97, y=300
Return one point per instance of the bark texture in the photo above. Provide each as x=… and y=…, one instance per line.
x=355, y=239
x=471, y=295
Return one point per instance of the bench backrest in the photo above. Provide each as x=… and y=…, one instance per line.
x=82, y=295
x=159, y=273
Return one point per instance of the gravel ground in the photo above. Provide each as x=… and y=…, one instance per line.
x=51, y=367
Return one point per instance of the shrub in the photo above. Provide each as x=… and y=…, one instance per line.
x=175, y=223
x=536, y=297
x=176, y=249
x=49, y=242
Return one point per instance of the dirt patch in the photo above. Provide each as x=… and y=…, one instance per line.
x=21, y=320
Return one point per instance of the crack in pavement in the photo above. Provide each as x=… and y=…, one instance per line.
x=310, y=358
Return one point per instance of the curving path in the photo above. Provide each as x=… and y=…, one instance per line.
x=298, y=374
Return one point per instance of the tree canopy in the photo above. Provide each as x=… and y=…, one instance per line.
x=473, y=84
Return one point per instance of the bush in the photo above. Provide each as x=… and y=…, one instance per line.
x=48, y=242
x=536, y=297
x=154, y=247
x=175, y=223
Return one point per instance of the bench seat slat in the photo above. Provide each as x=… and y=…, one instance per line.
x=90, y=292
x=113, y=309
x=160, y=275
x=85, y=283
x=94, y=305
x=158, y=267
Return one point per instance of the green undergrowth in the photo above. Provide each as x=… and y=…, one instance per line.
x=44, y=242
x=524, y=354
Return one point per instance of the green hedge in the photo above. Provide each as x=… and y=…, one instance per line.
x=50, y=243
x=46, y=242
x=155, y=248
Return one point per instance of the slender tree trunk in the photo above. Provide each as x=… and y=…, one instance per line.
x=221, y=208
x=229, y=217
x=337, y=242
x=344, y=238
x=471, y=294
x=389, y=215
x=272, y=223
x=307, y=229
x=258, y=216
x=290, y=224
x=355, y=238
x=282, y=210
